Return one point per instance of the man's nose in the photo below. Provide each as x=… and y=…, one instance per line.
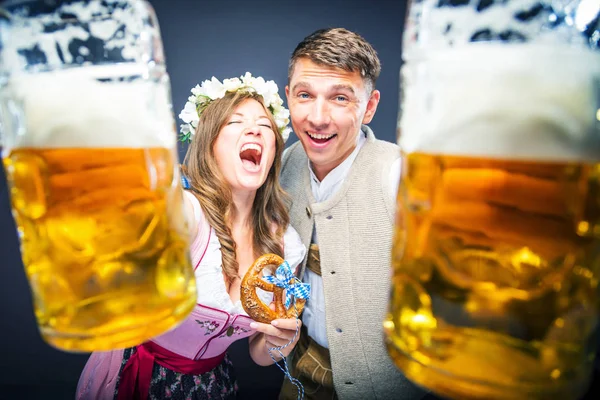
x=319, y=115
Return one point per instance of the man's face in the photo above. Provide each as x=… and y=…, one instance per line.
x=327, y=107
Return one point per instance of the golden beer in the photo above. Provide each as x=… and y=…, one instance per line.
x=498, y=280
x=496, y=257
x=104, y=243
x=94, y=186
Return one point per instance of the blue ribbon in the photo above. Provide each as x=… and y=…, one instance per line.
x=285, y=278
x=185, y=182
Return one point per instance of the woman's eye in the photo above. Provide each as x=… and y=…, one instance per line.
x=266, y=125
x=233, y=122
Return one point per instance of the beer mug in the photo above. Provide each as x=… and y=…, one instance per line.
x=496, y=256
x=89, y=148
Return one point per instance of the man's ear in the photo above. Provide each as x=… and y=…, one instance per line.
x=287, y=93
x=371, y=106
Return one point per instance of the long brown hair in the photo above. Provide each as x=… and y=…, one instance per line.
x=269, y=212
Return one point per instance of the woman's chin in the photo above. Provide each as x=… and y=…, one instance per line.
x=249, y=182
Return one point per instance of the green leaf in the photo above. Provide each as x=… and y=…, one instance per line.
x=185, y=137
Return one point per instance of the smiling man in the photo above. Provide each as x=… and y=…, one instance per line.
x=343, y=183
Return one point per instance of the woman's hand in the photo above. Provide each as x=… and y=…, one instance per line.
x=279, y=333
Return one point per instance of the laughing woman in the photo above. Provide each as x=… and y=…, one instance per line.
x=238, y=129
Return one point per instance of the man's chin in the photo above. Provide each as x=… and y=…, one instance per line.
x=319, y=158
x=319, y=152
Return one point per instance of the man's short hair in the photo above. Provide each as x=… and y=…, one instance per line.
x=341, y=48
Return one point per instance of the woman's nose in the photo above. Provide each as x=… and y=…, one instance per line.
x=253, y=129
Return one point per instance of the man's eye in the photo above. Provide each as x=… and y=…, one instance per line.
x=341, y=98
x=303, y=95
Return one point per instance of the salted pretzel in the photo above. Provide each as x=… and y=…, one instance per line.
x=253, y=305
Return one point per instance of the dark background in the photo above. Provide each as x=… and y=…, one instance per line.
x=202, y=38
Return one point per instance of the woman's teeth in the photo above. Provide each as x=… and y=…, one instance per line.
x=251, y=146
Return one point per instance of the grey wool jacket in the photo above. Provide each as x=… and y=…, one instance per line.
x=355, y=231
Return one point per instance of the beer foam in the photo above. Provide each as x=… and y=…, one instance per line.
x=72, y=108
x=452, y=23
x=524, y=101
x=53, y=33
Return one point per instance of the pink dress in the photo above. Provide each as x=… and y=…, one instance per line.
x=197, y=346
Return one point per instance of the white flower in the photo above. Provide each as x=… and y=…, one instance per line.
x=281, y=122
x=285, y=133
x=270, y=92
x=196, y=91
x=232, y=84
x=185, y=129
x=189, y=113
x=247, y=79
x=275, y=100
x=259, y=85
x=212, y=89
x=280, y=111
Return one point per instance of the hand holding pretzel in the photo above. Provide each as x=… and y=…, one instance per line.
x=281, y=281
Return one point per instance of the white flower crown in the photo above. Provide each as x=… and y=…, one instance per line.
x=203, y=95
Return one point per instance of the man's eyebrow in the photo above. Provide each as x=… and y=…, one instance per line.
x=342, y=86
x=339, y=86
x=301, y=84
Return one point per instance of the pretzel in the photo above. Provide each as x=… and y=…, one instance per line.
x=253, y=305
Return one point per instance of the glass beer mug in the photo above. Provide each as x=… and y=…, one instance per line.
x=89, y=149
x=496, y=258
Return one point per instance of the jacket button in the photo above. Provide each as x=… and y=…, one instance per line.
x=308, y=212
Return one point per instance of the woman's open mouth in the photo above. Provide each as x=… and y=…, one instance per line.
x=251, y=154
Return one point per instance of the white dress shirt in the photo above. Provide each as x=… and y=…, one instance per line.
x=314, y=310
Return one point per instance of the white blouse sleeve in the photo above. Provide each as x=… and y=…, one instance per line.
x=294, y=250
